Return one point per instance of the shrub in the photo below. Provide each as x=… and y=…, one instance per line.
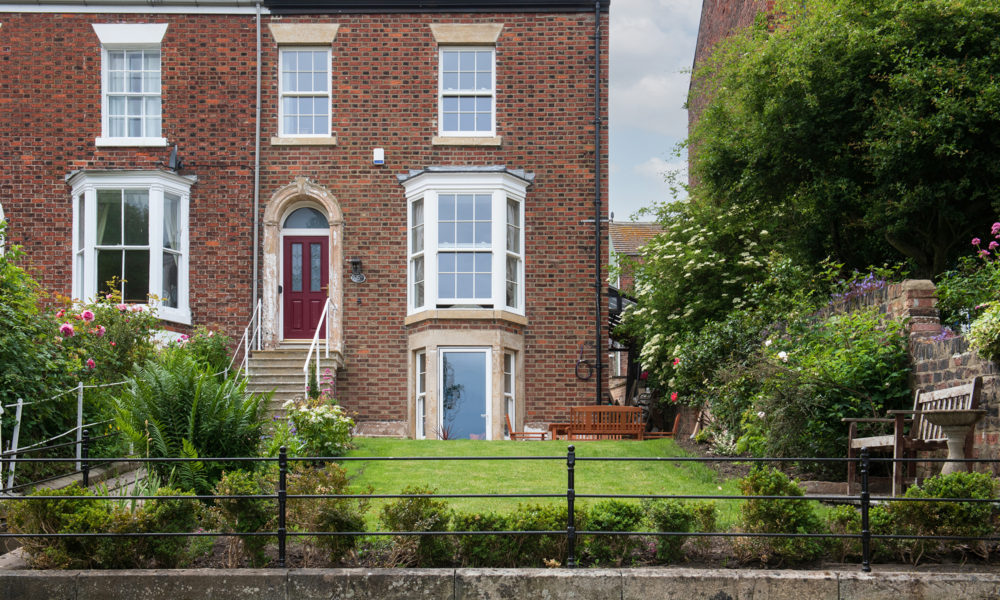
x=679, y=517
x=847, y=519
x=174, y=407
x=984, y=334
x=61, y=516
x=486, y=550
x=325, y=514
x=154, y=516
x=208, y=347
x=245, y=515
x=961, y=519
x=541, y=550
x=321, y=425
x=776, y=516
x=614, y=515
x=420, y=514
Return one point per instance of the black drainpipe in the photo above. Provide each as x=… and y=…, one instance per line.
x=598, y=281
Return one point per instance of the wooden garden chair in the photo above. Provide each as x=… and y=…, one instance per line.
x=523, y=435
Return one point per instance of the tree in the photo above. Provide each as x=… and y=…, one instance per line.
x=863, y=131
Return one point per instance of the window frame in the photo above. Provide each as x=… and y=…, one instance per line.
x=420, y=394
x=282, y=94
x=85, y=187
x=487, y=352
x=428, y=188
x=492, y=93
x=128, y=37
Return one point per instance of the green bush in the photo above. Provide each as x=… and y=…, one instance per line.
x=486, y=550
x=516, y=550
x=962, y=291
x=984, y=334
x=961, y=519
x=154, y=516
x=777, y=516
x=420, y=514
x=614, y=515
x=321, y=427
x=61, y=516
x=210, y=348
x=845, y=519
x=679, y=517
x=325, y=514
x=174, y=407
x=246, y=515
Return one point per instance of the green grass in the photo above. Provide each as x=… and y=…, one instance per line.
x=532, y=476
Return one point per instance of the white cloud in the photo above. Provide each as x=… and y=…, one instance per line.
x=657, y=168
x=654, y=102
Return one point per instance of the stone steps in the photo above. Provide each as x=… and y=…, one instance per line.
x=280, y=370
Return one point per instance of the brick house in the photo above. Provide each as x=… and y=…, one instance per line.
x=425, y=174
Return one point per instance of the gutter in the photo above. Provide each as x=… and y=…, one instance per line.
x=256, y=178
x=598, y=280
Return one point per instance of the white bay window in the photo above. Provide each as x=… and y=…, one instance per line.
x=130, y=228
x=466, y=238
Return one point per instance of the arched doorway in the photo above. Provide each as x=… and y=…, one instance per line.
x=303, y=257
x=305, y=272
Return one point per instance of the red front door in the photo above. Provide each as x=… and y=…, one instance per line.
x=305, y=261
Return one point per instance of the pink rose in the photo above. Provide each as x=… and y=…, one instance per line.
x=100, y=331
x=122, y=307
x=66, y=330
x=677, y=361
x=673, y=397
x=87, y=315
x=60, y=314
x=136, y=309
x=184, y=338
x=91, y=364
x=113, y=344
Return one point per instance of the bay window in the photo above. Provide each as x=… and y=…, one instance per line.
x=466, y=240
x=130, y=232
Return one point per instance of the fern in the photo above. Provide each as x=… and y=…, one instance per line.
x=174, y=407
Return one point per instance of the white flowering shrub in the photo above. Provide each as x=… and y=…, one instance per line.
x=321, y=426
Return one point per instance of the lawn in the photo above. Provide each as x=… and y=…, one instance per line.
x=532, y=476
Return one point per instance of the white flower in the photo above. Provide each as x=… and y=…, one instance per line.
x=783, y=356
x=760, y=414
x=767, y=343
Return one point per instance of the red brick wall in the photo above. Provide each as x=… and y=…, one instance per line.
x=384, y=95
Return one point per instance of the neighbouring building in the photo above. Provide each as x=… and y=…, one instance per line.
x=424, y=174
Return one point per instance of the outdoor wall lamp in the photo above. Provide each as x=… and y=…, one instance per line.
x=357, y=276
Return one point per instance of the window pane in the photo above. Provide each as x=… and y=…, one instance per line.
x=418, y=281
x=319, y=82
x=464, y=283
x=484, y=105
x=467, y=61
x=116, y=106
x=484, y=286
x=466, y=81
x=306, y=218
x=484, y=206
x=466, y=121
x=465, y=207
x=467, y=104
x=483, y=122
x=153, y=126
x=116, y=60
x=135, y=82
x=136, y=276
x=450, y=60
x=446, y=285
x=465, y=233
x=484, y=61
x=81, y=219
x=152, y=60
x=304, y=82
x=134, y=60
x=109, y=266
x=450, y=122
x=134, y=127
x=450, y=104
x=151, y=82
x=417, y=234
x=296, y=267
x=116, y=81
x=449, y=81
x=109, y=220
x=171, y=270
x=513, y=266
x=116, y=127
x=483, y=260
x=171, y=221
x=315, y=263
x=464, y=261
x=136, y=218
x=446, y=207
x=152, y=106
x=290, y=60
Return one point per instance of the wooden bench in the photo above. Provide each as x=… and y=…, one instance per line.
x=605, y=423
x=921, y=436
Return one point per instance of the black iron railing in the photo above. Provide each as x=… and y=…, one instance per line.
x=864, y=500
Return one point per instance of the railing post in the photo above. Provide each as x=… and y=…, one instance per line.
x=84, y=448
x=282, y=473
x=570, y=500
x=12, y=446
x=866, y=534
x=79, y=421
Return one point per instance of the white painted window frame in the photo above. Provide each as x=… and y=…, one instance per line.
x=510, y=396
x=420, y=394
x=282, y=93
x=127, y=36
x=84, y=194
x=491, y=93
x=500, y=186
x=488, y=408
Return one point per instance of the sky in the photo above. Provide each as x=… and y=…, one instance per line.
x=652, y=48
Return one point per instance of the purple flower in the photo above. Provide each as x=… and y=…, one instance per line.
x=996, y=229
x=984, y=253
x=975, y=241
x=994, y=245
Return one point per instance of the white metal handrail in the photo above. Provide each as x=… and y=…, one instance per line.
x=314, y=346
x=251, y=335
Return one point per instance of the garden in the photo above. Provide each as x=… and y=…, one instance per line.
x=221, y=484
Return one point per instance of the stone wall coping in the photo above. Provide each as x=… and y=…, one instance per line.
x=842, y=583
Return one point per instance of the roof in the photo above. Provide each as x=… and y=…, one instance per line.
x=627, y=238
